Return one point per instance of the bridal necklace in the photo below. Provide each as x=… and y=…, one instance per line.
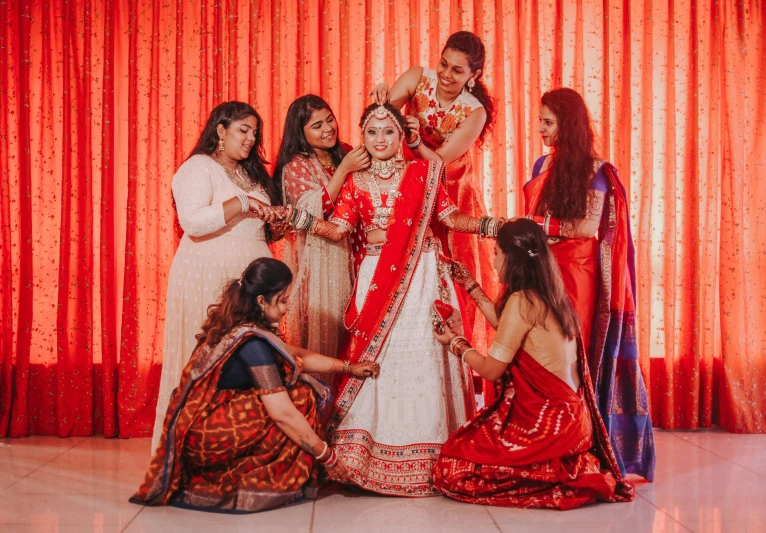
x=385, y=169
x=381, y=215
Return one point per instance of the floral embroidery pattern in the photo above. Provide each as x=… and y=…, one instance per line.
x=433, y=119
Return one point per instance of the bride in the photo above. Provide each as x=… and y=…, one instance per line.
x=389, y=431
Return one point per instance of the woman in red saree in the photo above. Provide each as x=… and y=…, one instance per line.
x=311, y=167
x=389, y=431
x=542, y=442
x=240, y=431
x=581, y=205
x=450, y=112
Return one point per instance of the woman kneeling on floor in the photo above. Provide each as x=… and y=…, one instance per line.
x=542, y=443
x=240, y=431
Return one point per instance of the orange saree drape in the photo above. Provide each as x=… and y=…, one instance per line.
x=101, y=101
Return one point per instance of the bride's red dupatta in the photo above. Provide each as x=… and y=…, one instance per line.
x=369, y=326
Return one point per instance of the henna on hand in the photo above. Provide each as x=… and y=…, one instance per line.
x=463, y=223
x=479, y=296
x=460, y=274
x=338, y=471
x=329, y=230
x=365, y=370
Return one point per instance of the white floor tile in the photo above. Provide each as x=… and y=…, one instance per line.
x=706, y=482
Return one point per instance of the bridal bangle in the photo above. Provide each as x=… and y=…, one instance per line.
x=490, y=226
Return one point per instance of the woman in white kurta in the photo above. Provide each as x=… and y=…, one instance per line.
x=218, y=193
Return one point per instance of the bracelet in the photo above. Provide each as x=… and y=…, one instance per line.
x=483, y=221
x=346, y=367
x=547, y=223
x=490, y=226
x=331, y=459
x=294, y=217
x=320, y=457
x=414, y=146
x=244, y=202
x=472, y=288
x=458, y=348
x=471, y=348
x=301, y=220
x=455, y=341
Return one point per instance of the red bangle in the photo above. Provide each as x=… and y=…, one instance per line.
x=330, y=462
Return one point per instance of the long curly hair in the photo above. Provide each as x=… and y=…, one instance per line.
x=571, y=169
x=469, y=44
x=255, y=163
x=238, y=304
x=529, y=267
x=294, y=141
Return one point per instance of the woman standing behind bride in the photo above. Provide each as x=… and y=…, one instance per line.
x=450, y=112
x=312, y=166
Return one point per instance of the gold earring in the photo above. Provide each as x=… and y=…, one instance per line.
x=399, y=154
x=220, y=145
x=471, y=84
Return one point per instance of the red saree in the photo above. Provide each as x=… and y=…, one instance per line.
x=540, y=444
x=219, y=450
x=600, y=280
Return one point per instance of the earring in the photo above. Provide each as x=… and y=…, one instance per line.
x=471, y=84
x=399, y=154
x=220, y=145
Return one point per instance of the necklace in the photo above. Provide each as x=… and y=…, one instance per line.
x=385, y=169
x=381, y=215
x=325, y=161
x=239, y=177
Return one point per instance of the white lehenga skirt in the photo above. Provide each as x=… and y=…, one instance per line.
x=393, y=432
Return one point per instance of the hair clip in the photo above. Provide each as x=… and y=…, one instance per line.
x=532, y=253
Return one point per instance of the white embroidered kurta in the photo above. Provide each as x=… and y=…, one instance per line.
x=211, y=253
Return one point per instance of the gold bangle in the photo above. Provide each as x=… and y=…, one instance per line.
x=470, y=348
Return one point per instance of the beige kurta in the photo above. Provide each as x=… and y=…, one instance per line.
x=211, y=252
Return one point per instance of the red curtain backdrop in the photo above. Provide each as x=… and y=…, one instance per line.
x=100, y=101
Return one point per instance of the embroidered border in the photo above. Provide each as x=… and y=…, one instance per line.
x=386, y=469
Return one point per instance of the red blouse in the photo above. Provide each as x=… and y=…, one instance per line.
x=354, y=204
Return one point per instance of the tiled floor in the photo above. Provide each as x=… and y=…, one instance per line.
x=706, y=482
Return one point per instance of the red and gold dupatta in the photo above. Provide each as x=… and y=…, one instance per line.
x=369, y=327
